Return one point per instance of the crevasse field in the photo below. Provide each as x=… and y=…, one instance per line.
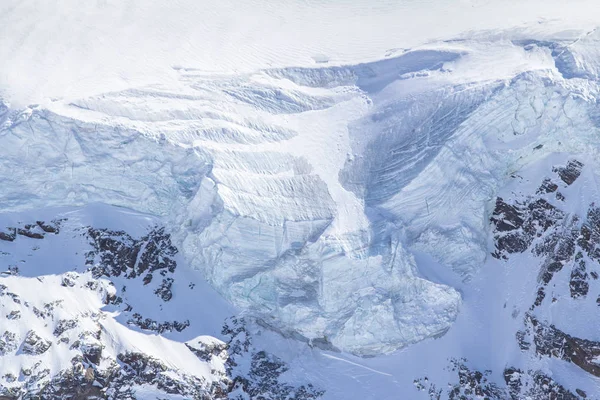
x=299, y=200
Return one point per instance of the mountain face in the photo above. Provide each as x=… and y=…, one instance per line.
x=281, y=234
x=97, y=313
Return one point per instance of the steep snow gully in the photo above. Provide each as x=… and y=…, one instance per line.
x=347, y=207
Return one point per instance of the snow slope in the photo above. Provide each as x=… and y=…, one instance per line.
x=344, y=206
x=68, y=49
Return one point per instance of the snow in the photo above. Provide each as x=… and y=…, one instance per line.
x=43, y=266
x=69, y=50
x=333, y=182
x=300, y=193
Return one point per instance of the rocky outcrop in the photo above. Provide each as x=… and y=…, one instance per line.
x=8, y=343
x=9, y=236
x=107, y=362
x=206, y=348
x=34, y=344
x=517, y=225
x=249, y=373
x=159, y=327
x=261, y=380
x=570, y=172
x=536, y=230
x=472, y=384
x=537, y=386
x=561, y=239
x=547, y=340
x=115, y=253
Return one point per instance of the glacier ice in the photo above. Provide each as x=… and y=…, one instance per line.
x=303, y=194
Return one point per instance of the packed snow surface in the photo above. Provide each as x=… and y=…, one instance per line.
x=69, y=49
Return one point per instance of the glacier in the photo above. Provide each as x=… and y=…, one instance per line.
x=302, y=194
x=345, y=207
x=260, y=213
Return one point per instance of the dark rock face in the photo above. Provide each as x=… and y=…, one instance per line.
x=578, y=284
x=15, y=314
x=549, y=341
x=34, y=344
x=119, y=380
x=517, y=225
x=28, y=232
x=473, y=384
x=142, y=369
x=547, y=186
x=95, y=373
x=262, y=379
x=535, y=385
x=36, y=230
x=52, y=227
x=570, y=172
x=206, y=351
x=9, y=236
x=164, y=290
x=159, y=327
x=63, y=326
x=48, y=309
x=116, y=253
x=560, y=239
x=509, y=221
x=8, y=343
x=133, y=369
x=567, y=249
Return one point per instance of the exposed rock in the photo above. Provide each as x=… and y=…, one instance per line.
x=205, y=348
x=9, y=236
x=471, y=384
x=15, y=314
x=552, y=342
x=535, y=385
x=8, y=343
x=569, y=173
x=578, y=284
x=29, y=231
x=116, y=253
x=159, y=327
x=516, y=226
x=164, y=290
x=36, y=230
x=96, y=374
x=52, y=227
x=34, y=344
x=92, y=353
x=70, y=279
x=261, y=380
x=64, y=325
x=48, y=309
x=547, y=186
x=142, y=369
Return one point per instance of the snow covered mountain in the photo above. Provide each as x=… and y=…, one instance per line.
x=418, y=225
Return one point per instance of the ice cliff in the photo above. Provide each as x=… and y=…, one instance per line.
x=306, y=196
